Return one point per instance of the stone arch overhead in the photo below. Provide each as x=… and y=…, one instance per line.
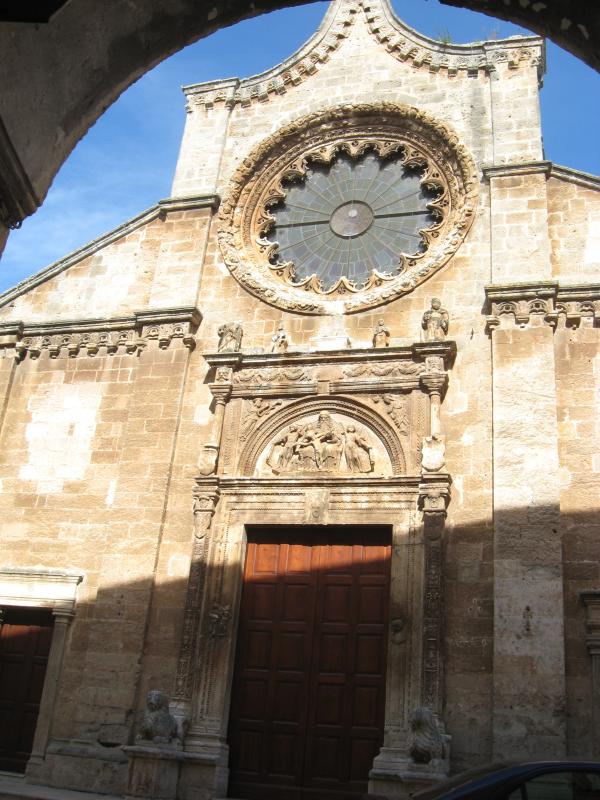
x=62, y=75
x=338, y=404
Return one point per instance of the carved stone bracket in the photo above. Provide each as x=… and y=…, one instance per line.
x=90, y=337
x=545, y=302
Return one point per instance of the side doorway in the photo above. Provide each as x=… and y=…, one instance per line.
x=308, y=696
x=25, y=638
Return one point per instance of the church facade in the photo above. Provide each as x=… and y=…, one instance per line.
x=300, y=467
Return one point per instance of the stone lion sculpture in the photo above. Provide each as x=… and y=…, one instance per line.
x=158, y=725
x=429, y=741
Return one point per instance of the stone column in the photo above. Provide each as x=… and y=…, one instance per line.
x=62, y=621
x=591, y=600
x=434, y=497
x=205, y=499
x=529, y=693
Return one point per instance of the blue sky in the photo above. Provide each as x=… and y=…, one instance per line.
x=126, y=161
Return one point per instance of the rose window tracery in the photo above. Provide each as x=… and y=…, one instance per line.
x=347, y=208
x=350, y=223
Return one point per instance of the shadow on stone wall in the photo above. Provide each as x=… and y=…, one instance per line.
x=128, y=642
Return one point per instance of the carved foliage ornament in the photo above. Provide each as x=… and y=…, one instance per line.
x=425, y=151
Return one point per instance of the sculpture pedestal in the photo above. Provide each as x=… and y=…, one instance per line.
x=153, y=772
x=395, y=775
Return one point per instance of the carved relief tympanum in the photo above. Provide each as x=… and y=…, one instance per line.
x=325, y=443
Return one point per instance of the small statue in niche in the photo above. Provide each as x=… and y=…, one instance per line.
x=435, y=322
x=230, y=337
x=357, y=451
x=158, y=725
x=279, y=340
x=430, y=741
x=381, y=335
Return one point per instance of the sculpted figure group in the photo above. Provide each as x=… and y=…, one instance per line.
x=319, y=446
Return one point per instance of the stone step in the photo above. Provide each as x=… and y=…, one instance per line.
x=13, y=787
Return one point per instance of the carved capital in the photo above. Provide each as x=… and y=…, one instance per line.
x=10, y=344
x=220, y=391
x=205, y=498
x=434, y=494
x=434, y=382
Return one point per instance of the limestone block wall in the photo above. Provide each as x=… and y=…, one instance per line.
x=574, y=225
x=87, y=446
x=578, y=394
x=153, y=261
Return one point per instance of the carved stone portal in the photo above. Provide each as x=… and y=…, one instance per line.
x=325, y=443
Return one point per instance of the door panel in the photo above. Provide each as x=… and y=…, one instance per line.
x=309, y=686
x=25, y=637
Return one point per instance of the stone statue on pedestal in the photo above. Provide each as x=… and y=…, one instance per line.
x=230, y=337
x=381, y=335
x=435, y=322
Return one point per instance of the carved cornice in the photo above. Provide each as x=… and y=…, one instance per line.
x=548, y=168
x=386, y=127
x=158, y=211
x=291, y=72
x=373, y=370
x=401, y=42
x=570, y=175
x=406, y=44
x=517, y=168
x=547, y=301
x=17, y=196
x=156, y=327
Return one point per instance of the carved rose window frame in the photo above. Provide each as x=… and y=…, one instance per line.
x=420, y=141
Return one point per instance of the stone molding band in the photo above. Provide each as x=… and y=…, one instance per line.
x=90, y=337
x=543, y=302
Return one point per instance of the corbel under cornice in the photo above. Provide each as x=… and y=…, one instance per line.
x=90, y=337
x=545, y=301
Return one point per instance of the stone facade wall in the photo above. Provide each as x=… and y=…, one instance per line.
x=108, y=444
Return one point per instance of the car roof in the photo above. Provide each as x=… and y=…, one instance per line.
x=477, y=778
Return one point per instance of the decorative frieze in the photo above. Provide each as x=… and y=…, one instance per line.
x=546, y=302
x=375, y=370
x=93, y=337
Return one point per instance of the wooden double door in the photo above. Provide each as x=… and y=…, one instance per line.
x=308, y=695
x=25, y=638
